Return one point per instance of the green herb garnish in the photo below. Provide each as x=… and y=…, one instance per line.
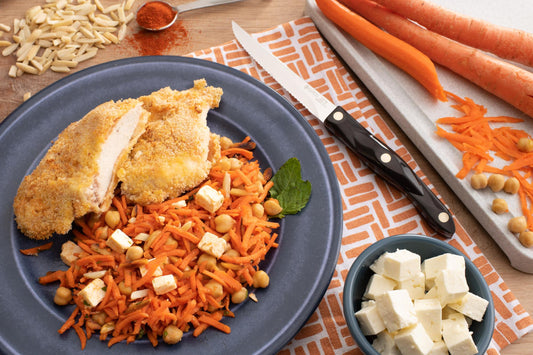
x=289, y=189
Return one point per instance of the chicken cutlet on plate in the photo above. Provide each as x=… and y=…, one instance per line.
x=157, y=147
x=177, y=150
x=78, y=173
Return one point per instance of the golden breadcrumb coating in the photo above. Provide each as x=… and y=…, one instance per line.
x=66, y=184
x=177, y=150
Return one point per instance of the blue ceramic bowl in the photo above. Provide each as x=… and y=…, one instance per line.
x=426, y=247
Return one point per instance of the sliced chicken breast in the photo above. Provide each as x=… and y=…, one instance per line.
x=177, y=150
x=78, y=173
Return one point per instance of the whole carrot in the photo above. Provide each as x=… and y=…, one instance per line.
x=505, y=42
x=396, y=51
x=509, y=82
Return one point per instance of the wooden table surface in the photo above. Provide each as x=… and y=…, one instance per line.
x=212, y=26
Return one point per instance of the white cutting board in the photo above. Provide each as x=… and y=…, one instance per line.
x=415, y=111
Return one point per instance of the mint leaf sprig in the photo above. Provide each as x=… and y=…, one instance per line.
x=289, y=189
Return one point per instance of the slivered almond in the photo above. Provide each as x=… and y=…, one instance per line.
x=62, y=33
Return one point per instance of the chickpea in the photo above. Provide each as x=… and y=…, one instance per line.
x=214, y=288
x=112, y=219
x=261, y=279
x=63, y=296
x=525, y=144
x=499, y=206
x=209, y=260
x=123, y=289
x=225, y=143
x=134, y=252
x=172, y=241
x=258, y=210
x=232, y=253
x=478, y=181
x=225, y=164
x=224, y=223
x=526, y=238
x=496, y=182
x=517, y=224
x=101, y=232
x=511, y=185
x=239, y=296
x=172, y=334
x=236, y=164
x=272, y=207
x=99, y=317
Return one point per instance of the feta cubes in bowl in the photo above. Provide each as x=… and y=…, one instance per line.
x=415, y=294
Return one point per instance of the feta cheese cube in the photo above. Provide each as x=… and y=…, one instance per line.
x=448, y=261
x=459, y=319
x=377, y=285
x=164, y=284
x=413, y=341
x=471, y=306
x=451, y=286
x=119, y=241
x=378, y=265
x=439, y=348
x=370, y=320
x=212, y=244
x=429, y=314
x=396, y=310
x=93, y=293
x=367, y=303
x=401, y=265
x=70, y=252
x=209, y=198
x=384, y=344
x=458, y=338
x=416, y=286
x=179, y=204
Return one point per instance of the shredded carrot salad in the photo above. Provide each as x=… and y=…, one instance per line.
x=202, y=286
x=480, y=144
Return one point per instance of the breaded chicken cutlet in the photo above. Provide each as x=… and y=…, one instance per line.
x=156, y=147
x=78, y=173
x=177, y=150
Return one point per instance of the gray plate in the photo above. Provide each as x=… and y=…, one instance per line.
x=300, y=269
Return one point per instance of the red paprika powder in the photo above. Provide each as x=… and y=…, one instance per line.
x=159, y=42
x=155, y=15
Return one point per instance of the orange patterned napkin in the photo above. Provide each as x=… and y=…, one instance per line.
x=372, y=210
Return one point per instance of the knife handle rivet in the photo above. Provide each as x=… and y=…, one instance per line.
x=337, y=116
x=385, y=157
x=444, y=217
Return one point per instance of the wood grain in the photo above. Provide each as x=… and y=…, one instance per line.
x=210, y=27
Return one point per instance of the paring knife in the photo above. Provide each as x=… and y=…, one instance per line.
x=374, y=153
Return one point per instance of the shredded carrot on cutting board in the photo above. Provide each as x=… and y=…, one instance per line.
x=505, y=42
x=481, y=144
x=505, y=80
x=198, y=289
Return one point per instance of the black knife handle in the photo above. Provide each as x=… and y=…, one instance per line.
x=390, y=167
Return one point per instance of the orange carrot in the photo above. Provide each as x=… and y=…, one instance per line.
x=509, y=82
x=35, y=250
x=508, y=43
x=396, y=51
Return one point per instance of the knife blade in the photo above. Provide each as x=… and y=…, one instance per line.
x=374, y=153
